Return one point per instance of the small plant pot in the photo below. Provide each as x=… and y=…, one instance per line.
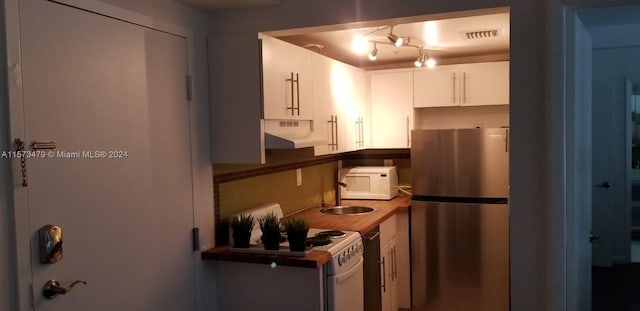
x=241, y=239
x=297, y=243
x=271, y=241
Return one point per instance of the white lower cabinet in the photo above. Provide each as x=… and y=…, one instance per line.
x=389, y=274
x=389, y=264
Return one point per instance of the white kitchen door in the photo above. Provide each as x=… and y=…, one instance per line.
x=112, y=96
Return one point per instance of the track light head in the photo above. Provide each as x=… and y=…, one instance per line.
x=397, y=41
x=430, y=63
x=374, y=53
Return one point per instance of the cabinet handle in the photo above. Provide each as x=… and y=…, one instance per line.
x=384, y=275
x=331, y=124
x=336, y=131
x=292, y=80
x=454, y=87
x=464, y=87
x=297, y=93
x=394, y=265
x=408, y=133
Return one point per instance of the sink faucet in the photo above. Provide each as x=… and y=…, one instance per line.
x=338, y=195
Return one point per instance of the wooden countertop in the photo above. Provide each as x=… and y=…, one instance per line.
x=317, y=219
x=315, y=259
x=360, y=223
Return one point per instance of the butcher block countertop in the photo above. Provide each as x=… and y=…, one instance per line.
x=361, y=223
x=317, y=219
x=315, y=259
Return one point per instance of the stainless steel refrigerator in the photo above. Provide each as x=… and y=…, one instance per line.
x=460, y=220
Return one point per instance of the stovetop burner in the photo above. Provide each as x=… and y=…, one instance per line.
x=318, y=241
x=333, y=234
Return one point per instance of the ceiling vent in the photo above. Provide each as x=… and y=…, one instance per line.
x=481, y=34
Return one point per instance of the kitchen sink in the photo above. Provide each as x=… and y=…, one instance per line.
x=348, y=210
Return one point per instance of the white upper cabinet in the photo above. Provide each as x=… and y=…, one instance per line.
x=287, y=80
x=340, y=105
x=325, y=112
x=391, y=97
x=476, y=84
x=351, y=84
x=437, y=87
x=485, y=84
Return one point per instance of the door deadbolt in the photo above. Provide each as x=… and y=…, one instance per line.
x=50, y=244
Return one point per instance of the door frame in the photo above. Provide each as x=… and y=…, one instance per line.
x=19, y=257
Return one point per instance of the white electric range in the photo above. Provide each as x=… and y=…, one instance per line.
x=344, y=272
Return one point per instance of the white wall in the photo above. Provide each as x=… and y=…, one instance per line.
x=461, y=117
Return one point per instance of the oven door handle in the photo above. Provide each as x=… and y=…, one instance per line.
x=349, y=273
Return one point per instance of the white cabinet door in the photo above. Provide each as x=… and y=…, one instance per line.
x=484, y=84
x=391, y=95
x=389, y=264
x=325, y=113
x=478, y=84
x=385, y=275
x=352, y=102
x=437, y=87
x=389, y=275
x=287, y=80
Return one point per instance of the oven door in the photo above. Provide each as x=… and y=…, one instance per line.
x=345, y=289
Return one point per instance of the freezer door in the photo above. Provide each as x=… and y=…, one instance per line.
x=459, y=256
x=460, y=162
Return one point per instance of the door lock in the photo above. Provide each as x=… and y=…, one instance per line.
x=50, y=237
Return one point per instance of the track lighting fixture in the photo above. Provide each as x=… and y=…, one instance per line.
x=374, y=53
x=397, y=41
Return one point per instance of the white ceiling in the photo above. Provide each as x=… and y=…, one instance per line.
x=442, y=40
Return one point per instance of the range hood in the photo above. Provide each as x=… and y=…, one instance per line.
x=291, y=134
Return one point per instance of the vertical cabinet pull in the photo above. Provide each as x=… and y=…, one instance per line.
x=333, y=123
x=454, y=87
x=384, y=275
x=336, y=131
x=295, y=94
x=408, y=133
x=464, y=87
x=394, y=265
x=360, y=132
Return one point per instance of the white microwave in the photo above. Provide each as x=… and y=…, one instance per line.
x=369, y=182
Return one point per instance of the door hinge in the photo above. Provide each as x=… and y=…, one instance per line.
x=195, y=234
x=189, y=82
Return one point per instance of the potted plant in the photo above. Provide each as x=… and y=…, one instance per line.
x=297, y=229
x=241, y=227
x=270, y=226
